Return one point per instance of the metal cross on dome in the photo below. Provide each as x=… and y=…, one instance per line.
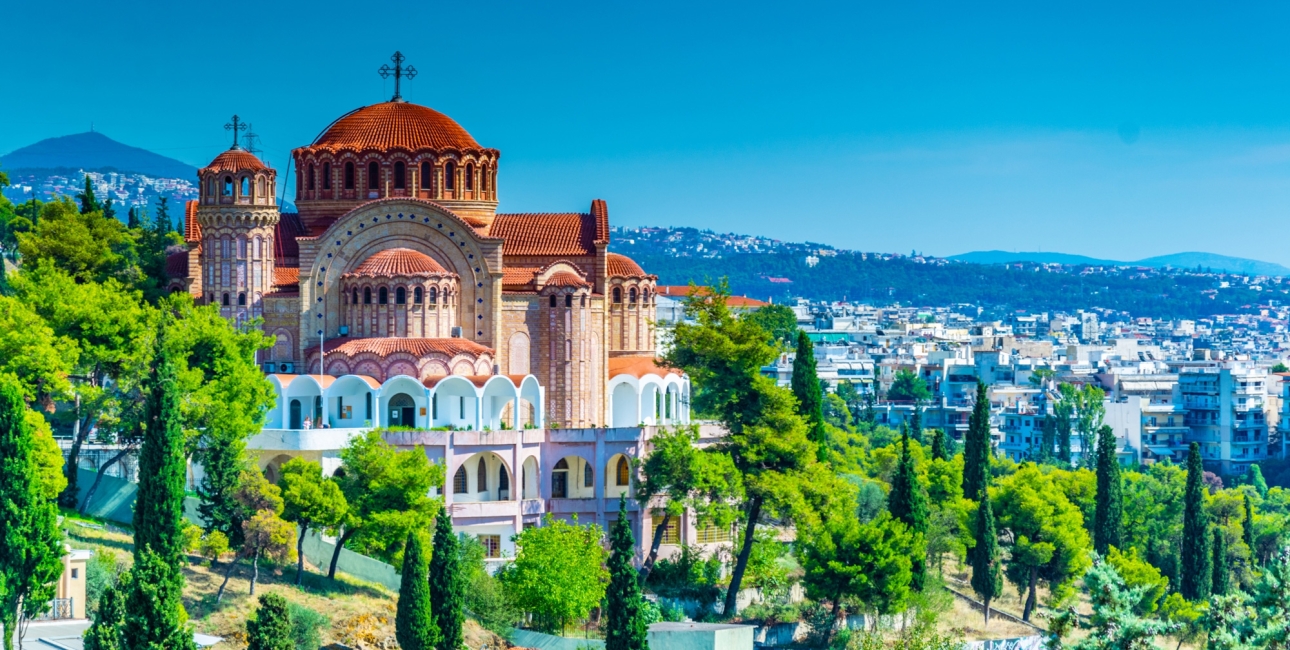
x=399, y=72
x=235, y=126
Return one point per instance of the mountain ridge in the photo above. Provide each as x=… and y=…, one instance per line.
x=93, y=151
x=1189, y=259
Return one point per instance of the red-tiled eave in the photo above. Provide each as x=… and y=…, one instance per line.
x=639, y=367
x=399, y=262
x=683, y=291
x=477, y=380
x=385, y=346
x=192, y=229
x=235, y=160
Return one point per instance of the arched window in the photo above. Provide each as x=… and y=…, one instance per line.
x=416, y=296
x=449, y=176
x=384, y=296
x=355, y=300
x=310, y=181
x=228, y=186
x=373, y=176
x=427, y=174
x=326, y=176
x=483, y=178
x=470, y=176
x=631, y=296
x=225, y=300
x=568, y=300
x=367, y=295
x=210, y=187
x=246, y=186
x=259, y=187
x=400, y=176
x=624, y=471
x=241, y=248
x=552, y=300
x=368, y=407
x=400, y=296
x=349, y=175
x=459, y=480
x=618, y=295
x=258, y=250
x=588, y=479
x=560, y=480
x=503, y=481
x=481, y=477
x=241, y=300
x=434, y=295
x=583, y=303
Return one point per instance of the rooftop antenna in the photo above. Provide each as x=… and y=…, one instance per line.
x=235, y=126
x=399, y=72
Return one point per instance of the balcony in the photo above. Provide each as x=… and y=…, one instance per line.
x=485, y=509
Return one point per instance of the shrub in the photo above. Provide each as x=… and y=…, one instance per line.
x=306, y=627
x=103, y=571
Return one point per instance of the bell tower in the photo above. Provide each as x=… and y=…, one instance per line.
x=237, y=213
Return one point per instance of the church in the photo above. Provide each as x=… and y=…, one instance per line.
x=513, y=347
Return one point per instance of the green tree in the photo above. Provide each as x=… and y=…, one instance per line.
x=414, y=621
x=386, y=491
x=154, y=611
x=30, y=543
x=86, y=197
x=310, y=501
x=32, y=353
x=1108, y=524
x=836, y=412
x=446, y=584
x=1086, y=405
x=916, y=424
x=87, y=246
x=105, y=633
x=1116, y=623
x=558, y=574
x=159, y=504
x=1247, y=526
x=626, y=627
x=870, y=562
x=1196, y=570
x=780, y=321
x=806, y=387
x=908, y=503
x=1138, y=574
x=270, y=629
x=908, y=387
x=987, y=574
x=703, y=481
x=976, y=445
x=1222, y=576
x=264, y=533
x=1047, y=439
x=1257, y=480
x=940, y=450
x=1063, y=413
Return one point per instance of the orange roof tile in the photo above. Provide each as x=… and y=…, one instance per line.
x=400, y=262
x=621, y=266
x=477, y=380
x=600, y=212
x=566, y=279
x=192, y=229
x=519, y=277
x=567, y=233
x=683, y=291
x=384, y=347
x=286, y=276
x=638, y=367
x=235, y=160
x=395, y=124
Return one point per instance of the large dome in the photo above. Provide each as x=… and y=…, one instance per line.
x=395, y=124
x=400, y=262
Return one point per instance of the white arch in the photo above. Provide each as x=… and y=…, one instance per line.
x=455, y=403
x=494, y=468
x=530, y=479
x=403, y=384
x=352, y=401
x=575, y=472
x=498, y=392
x=613, y=487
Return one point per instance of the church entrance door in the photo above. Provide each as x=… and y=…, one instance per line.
x=402, y=411
x=296, y=422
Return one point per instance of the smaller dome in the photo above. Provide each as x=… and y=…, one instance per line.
x=621, y=266
x=403, y=262
x=235, y=160
x=565, y=279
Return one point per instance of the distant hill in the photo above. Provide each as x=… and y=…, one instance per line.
x=93, y=151
x=1191, y=260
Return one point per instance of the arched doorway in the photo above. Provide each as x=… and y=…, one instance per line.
x=403, y=411
x=560, y=480
x=296, y=419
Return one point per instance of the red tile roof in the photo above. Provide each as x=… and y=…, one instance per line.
x=683, y=291
x=177, y=265
x=600, y=212
x=285, y=248
x=384, y=347
x=638, y=367
x=399, y=262
x=395, y=124
x=192, y=229
x=286, y=277
x=565, y=279
x=621, y=266
x=477, y=380
x=519, y=277
x=567, y=233
x=235, y=160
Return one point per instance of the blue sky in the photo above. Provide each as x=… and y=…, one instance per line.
x=1101, y=129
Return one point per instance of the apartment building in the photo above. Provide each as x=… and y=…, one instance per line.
x=1225, y=414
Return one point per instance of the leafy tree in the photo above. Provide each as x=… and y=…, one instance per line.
x=626, y=627
x=414, y=621
x=704, y=481
x=1116, y=623
x=154, y=612
x=86, y=198
x=1222, y=576
x=1247, y=526
x=976, y=445
x=30, y=543
x=264, y=533
x=446, y=584
x=1229, y=621
x=1138, y=574
x=106, y=631
x=310, y=500
x=1271, y=600
x=1257, y=480
x=908, y=503
x=1196, y=570
x=32, y=353
x=1047, y=439
x=1063, y=413
x=1108, y=522
x=869, y=561
x=86, y=245
x=1086, y=406
x=558, y=575
x=940, y=450
x=271, y=627
x=987, y=577
x=780, y=321
x=836, y=412
x=806, y=387
x=159, y=504
x=908, y=387
x=916, y=424
x=1280, y=367
x=386, y=491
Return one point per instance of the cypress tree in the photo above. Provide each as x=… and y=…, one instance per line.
x=1247, y=526
x=1047, y=439
x=1108, y=516
x=86, y=197
x=1195, y=570
x=987, y=575
x=1062, y=425
x=1222, y=576
x=916, y=424
x=939, y=448
x=414, y=624
x=271, y=627
x=154, y=613
x=976, y=445
x=132, y=218
x=806, y=387
x=908, y=503
x=1256, y=479
x=446, y=588
x=159, y=505
x=105, y=632
x=626, y=629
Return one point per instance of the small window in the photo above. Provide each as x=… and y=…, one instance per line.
x=553, y=301
x=588, y=478
x=492, y=545
x=349, y=175
x=311, y=176
x=583, y=302
x=503, y=481
x=624, y=472
x=355, y=300
x=568, y=300
x=416, y=296
x=225, y=301
x=400, y=176
x=481, y=477
x=672, y=533
x=210, y=187
x=618, y=295
x=470, y=177
x=400, y=296
x=241, y=300
x=76, y=574
x=373, y=176
x=427, y=174
x=246, y=186
x=459, y=480
x=228, y=186
x=367, y=295
x=483, y=178
x=449, y=173
x=384, y=296
x=367, y=408
x=326, y=176
x=434, y=295
x=631, y=296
